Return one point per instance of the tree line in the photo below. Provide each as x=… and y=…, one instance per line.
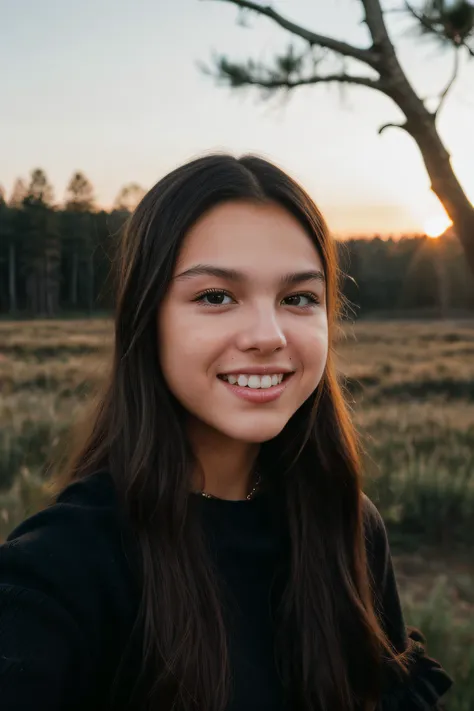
x=56, y=260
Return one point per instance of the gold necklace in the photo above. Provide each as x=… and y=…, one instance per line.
x=249, y=496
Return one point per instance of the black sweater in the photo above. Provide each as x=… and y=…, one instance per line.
x=68, y=600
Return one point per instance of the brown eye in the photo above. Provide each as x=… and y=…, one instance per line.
x=302, y=300
x=213, y=297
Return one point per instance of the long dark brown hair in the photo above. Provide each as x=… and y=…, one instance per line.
x=331, y=644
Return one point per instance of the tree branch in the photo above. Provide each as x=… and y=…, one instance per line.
x=438, y=29
x=450, y=84
x=367, y=56
x=392, y=125
x=469, y=50
x=329, y=78
x=421, y=18
x=238, y=75
x=376, y=24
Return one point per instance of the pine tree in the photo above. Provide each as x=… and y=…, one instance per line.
x=42, y=254
x=79, y=236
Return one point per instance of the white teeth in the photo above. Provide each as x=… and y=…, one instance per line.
x=255, y=382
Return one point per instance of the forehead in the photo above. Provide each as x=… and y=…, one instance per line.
x=259, y=236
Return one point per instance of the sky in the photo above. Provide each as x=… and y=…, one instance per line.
x=112, y=88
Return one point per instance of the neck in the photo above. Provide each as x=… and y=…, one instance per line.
x=225, y=467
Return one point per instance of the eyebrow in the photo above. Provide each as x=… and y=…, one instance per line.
x=289, y=279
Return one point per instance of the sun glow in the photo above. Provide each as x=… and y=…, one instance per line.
x=434, y=227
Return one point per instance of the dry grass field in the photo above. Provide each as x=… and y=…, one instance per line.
x=411, y=387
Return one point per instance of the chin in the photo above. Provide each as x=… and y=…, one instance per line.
x=254, y=433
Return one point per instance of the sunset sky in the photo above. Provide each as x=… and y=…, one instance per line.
x=111, y=88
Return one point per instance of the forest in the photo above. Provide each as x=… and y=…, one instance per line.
x=56, y=260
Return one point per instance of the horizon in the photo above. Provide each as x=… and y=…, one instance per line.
x=88, y=107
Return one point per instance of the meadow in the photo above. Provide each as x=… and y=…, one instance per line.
x=411, y=389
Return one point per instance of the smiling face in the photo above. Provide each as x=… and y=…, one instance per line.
x=243, y=330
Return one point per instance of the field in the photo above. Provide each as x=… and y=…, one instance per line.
x=411, y=387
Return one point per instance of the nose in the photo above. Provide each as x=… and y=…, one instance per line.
x=262, y=332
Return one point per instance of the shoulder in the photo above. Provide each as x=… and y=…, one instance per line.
x=377, y=544
x=76, y=545
x=77, y=513
x=375, y=531
x=81, y=506
x=67, y=599
x=373, y=520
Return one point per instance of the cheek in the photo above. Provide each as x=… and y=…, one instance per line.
x=314, y=355
x=311, y=342
x=170, y=346
x=315, y=361
x=187, y=349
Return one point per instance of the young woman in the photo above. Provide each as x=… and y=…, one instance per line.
x=212, y=549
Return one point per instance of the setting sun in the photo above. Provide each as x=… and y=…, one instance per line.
x=435, y=226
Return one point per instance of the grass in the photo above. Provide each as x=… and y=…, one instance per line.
x=448, y=640
x=411, y=387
